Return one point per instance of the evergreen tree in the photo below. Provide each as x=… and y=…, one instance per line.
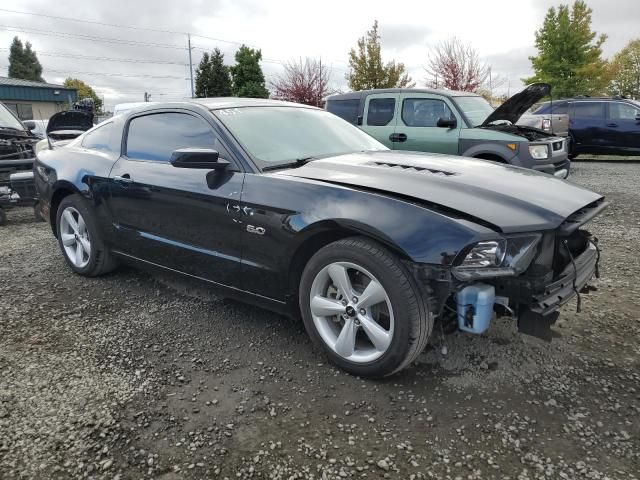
x=23, y=62
x=367, y=69
x=247, y=76
x=569, y=53
x=212, y=76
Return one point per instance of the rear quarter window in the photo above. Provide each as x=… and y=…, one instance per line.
x=100, y=138
x=345, y=109
x=588, y=110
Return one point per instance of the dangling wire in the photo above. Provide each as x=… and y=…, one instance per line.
x=575, y=276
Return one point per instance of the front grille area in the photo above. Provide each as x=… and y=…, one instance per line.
x=413, y=168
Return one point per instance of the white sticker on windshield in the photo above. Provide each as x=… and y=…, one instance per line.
x=230, y=111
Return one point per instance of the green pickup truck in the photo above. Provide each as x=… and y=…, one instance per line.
x=456, y=123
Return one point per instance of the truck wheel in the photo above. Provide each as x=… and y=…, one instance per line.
x=3, y=217
x=362, y=306
x=79, y=239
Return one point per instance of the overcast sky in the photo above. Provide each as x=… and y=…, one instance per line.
x=157, y=61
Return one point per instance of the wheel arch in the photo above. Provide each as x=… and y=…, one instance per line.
x=62, y=190
x=490, y=156
x=324, y=233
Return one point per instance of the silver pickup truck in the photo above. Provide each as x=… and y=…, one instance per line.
x=556, y=124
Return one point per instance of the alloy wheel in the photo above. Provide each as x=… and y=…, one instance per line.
x=352, y=312
x=75, y=237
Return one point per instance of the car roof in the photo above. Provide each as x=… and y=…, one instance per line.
x=237, y=102
x=217, y=103
x=589, y=99
x=360, y=93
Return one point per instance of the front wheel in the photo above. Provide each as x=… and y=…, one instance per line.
x=363, y=307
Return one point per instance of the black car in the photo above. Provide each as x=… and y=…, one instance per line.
x=599, y=126
x=294, y=209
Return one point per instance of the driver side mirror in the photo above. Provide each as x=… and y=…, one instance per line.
x=30, y=124
x=204, y=158
x=444, y=122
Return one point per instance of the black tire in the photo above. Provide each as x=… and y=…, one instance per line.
x=571, y=156
x=413, y=316
x=100, y=261
x=3, y=217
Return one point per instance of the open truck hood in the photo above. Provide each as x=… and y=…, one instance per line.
x=69, y=124
x=517, y=105
x=509, y=199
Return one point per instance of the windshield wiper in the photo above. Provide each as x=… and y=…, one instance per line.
x=298, y=162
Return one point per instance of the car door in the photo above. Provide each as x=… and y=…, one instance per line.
x=379, y=119
x=623, y=127
x=587, y=126
x=185, y=219
x=418, y=128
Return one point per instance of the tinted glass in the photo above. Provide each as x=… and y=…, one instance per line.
x=476, y=109
x=156, y=136
x=561, y=108
x=380, y=111
x=99, y=138
x=588, y=110
x=275, y=135
x=346, y=109
x=623, y=111
x=424, y=112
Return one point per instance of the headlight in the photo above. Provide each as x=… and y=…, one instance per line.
x=539, y=152
x=496, y=258
x=546, y=124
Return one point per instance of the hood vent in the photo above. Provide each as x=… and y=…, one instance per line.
x=413, y=168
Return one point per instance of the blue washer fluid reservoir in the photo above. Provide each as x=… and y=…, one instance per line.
x=475, y=307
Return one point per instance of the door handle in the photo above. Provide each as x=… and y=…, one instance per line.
x=398, y=137
x=123, y=179
x=612, y=124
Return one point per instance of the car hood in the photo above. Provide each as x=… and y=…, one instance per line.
x=516, y=106
x=509, y=199
x=77, y=120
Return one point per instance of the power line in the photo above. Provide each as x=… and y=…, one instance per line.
x=70, y=19
x=104, y=59
x=130, y=27
x=111, y=74
x=93, y=38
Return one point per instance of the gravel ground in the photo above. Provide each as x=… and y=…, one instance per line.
x=134, y=376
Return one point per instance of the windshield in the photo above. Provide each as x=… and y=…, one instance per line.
x=476, y=109
x=276, y=135
x=8, y=119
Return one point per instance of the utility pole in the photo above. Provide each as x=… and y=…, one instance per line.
x=190, y=63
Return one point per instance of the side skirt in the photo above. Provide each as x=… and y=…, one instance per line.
x=278, y=306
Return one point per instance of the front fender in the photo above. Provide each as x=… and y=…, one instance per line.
x=293, y=210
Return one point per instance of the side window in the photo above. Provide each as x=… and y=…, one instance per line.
x=560, y=108
x=380, y=111
x=622, y=111
x=99, y=138
x=588, y=110
x=345, y=109
x=156, y=136
x=424, y=112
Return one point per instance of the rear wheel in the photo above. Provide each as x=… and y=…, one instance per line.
x=363, y=307
x=79, y=239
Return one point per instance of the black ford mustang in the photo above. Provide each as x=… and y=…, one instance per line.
x=294, y=209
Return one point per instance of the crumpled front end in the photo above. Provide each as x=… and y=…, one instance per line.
x=543, y=272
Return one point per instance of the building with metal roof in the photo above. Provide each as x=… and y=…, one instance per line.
x=35, y=100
